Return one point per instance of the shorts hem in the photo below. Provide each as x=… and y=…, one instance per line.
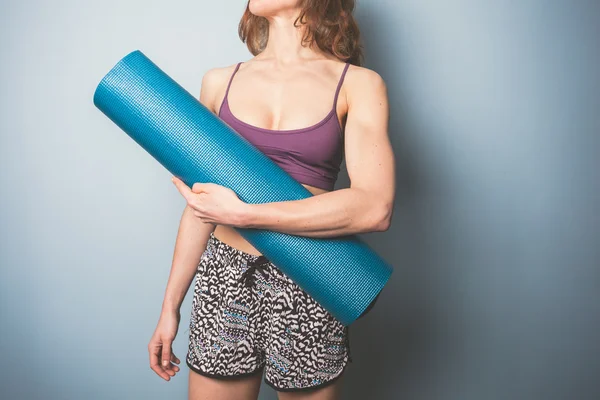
x=307, y=388
x=222, y=376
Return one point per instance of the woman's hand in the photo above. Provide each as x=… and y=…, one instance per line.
x=213, y=203
x=159, y=348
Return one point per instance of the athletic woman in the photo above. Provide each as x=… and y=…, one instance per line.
x=306, y=102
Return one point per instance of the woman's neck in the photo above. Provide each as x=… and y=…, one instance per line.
x=284, y=45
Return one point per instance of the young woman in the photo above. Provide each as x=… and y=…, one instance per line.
x=305, y=101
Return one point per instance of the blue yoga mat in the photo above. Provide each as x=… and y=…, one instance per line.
x=343, y=273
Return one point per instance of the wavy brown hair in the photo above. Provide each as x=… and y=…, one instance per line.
x=329, y=23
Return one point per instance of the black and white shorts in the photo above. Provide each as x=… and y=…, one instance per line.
x=249, y=317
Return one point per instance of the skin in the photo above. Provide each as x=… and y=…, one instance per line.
x=296, y=86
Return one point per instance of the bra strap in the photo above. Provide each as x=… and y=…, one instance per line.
x=228, y=85
x=231, y=78
x=339, y=86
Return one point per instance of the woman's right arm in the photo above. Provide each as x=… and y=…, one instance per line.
x=191, y=242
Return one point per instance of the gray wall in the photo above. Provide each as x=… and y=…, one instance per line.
x=495, y=237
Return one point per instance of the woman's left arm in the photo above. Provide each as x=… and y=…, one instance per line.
x=365, y=206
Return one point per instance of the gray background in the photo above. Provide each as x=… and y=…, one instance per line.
x=495, y=238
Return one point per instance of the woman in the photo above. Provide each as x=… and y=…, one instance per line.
x=247, y=315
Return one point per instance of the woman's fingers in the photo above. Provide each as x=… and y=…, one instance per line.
x=161, y=356
x=182, y=187
x=190, y=197
x=172, y=367
x=166, y=355
x=155, y=350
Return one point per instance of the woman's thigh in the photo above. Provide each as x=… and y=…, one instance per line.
x=205, y=388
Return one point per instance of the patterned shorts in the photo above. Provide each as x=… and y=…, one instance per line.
x=249, y=317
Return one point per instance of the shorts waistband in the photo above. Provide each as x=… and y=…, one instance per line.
x=231, y=249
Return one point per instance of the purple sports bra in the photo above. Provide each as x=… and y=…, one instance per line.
x=311, y=155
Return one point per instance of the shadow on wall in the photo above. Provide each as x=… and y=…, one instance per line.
x=391, y=343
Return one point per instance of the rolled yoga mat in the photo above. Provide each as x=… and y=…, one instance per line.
x=343, y=274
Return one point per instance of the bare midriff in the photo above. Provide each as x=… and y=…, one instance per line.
x=230, y=236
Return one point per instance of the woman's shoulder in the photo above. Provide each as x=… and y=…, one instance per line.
x=214, y=83
x=361, y=81
x=362, y=78
x=217, y=75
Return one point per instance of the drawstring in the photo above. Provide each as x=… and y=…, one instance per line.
x=248, y=275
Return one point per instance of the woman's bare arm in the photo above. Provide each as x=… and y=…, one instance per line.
x=365, y=206
x=188, y=251
x=191, y=241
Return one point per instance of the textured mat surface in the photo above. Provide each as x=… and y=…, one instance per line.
x=343, y=274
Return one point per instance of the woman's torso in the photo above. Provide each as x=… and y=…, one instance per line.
x=295, y=117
